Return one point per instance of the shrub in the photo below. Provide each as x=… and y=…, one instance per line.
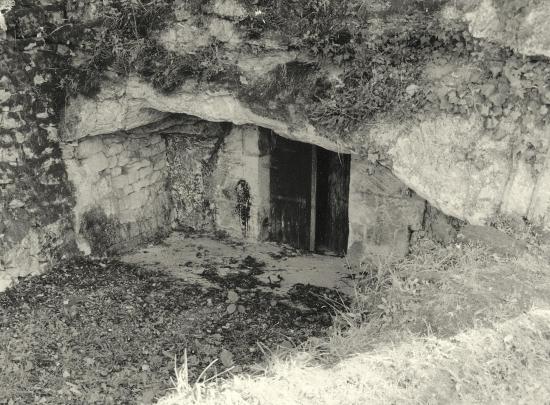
x=101, y=231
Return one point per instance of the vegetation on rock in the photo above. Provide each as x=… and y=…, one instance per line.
x=378, y=70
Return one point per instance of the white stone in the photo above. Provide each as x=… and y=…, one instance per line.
x=116, y=171
x=120, y=182
x=519, y=190
x=96, y=163
x=83, y=245
x=10, y=123
x=9, y=155
x=447, y=162
x=229, y=8
x=529, y=35
x=4, y=95
x=90, y=146
x=5, y=282
x=15, y=204
x=114, y=149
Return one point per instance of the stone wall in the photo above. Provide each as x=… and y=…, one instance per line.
x=123, y=176
x=242, y=213
x=383, y=213
x=35, y=197
x=192, y=157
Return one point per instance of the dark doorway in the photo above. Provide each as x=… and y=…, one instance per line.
x=332, y=222
x=309, y=196
x=290, y=187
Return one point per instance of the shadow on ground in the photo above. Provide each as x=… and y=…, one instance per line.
x=92, y=331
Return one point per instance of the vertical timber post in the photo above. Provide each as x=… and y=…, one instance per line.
x=313, y=218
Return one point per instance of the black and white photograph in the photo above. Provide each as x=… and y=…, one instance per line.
x=274, y=202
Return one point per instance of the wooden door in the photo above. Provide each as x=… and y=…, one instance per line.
x=290, y=187
x=333, y=176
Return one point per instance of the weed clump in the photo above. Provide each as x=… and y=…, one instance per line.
x=101, y=231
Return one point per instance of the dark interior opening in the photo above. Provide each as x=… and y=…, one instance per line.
x=290, y=186
x=309, y=189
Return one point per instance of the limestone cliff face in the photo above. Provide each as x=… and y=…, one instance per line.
x=518, y=24
x=482, y=150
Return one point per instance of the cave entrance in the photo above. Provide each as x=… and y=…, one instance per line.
x=309, y=193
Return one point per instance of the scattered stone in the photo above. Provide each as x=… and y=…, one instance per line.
x=231, y=309
x=232, y=297
x=16, y=204
x=241, y=309
x=412, y=89
x=39, y=79
x=226, y=357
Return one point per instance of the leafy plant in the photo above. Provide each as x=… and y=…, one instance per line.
x=101, y=231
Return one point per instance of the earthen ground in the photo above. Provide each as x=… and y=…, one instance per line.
x=277, y=268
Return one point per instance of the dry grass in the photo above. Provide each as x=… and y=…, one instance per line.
x=504, y=364
x=446, y=325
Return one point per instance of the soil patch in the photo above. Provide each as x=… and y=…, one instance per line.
x=109, y=332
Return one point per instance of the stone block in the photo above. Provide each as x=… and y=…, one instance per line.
x=96, y=163
x=120, y=182
x=69, y=151
x=4, y=95
x=160, y=164
x=90, y=146
x=250, y=143
x=145, y=172
x=157, y=176
x=9, y=155
x=123, y=160
x=141, y=184
x=20, y=138
x=132, y=173
x=382, y=211
x=438, y=227
x=128, y=190
x=114, y=149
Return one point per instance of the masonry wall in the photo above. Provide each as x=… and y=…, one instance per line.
x=124, y=177
x=242, y=160
x=35, y=197
x=192, y=154
x=383, y=213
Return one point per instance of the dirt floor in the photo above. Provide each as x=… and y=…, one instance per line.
x=111, y=331
x=275, y=268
